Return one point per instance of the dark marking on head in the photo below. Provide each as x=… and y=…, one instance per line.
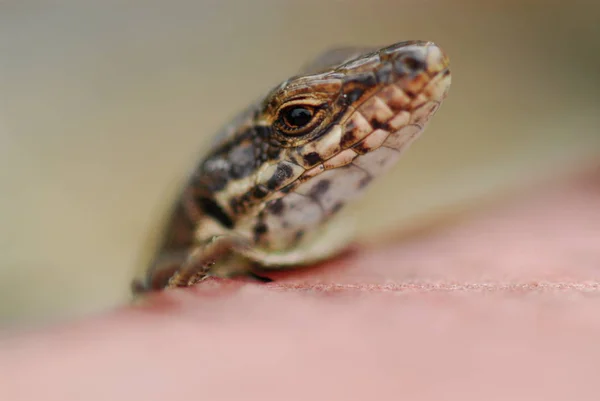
x=411, y=94
x=348, y=138
x=366, y=79
x=356, y=85
x=235, y=205
x=384, y=74
x=232, y=159
x=273, y=152
x=312, y=158
x=409, y=65
x=274, y=142
x=214, y=174
x=414, y=63
x=242, y=160
x=240, y=203
x=340, y=104
x=320, y=188
x=260, y=152
x=260, y=191
x=299, y=235
x=263, y=132
x=211, y=208
x=276, y=206
x=354, y=94
x=282, y=173
x=376, y=124
x=260, y=229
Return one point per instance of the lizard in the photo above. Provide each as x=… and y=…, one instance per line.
x=272, y=190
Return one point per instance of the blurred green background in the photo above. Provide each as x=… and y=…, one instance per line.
x=106, y=105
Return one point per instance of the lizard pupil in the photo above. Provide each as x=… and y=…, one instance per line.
x=298, y=116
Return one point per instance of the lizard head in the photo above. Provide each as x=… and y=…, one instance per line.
x=317, y=140
x=317, y=117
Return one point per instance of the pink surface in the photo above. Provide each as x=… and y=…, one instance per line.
x=502, y=304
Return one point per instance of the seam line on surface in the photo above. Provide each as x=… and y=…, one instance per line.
x=532, y=286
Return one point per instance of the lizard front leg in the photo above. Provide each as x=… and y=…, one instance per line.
x=187, y=267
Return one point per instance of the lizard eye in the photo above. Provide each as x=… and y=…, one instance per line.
x=298, y=119
x=297, y=116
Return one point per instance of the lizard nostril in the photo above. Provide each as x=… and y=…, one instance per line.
x=409, y=64
x=413, y=63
